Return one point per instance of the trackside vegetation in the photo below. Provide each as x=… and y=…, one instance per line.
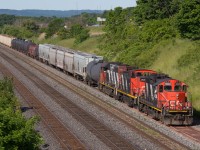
x=16, y=132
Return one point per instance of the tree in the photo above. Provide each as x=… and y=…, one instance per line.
x=16, y=31
x=7, y=19
x=188, y=19
x=82, y=36
x=155, y=9
x=64, y=33
x=15, y=131
x=76, y=30
x=79, y=33
x=54, y=26
x=30, y=25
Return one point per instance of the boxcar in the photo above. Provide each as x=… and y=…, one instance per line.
x=6, y=40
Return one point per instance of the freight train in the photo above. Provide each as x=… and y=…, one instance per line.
x=155, y=94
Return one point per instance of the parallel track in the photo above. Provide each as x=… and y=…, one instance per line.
x=188, y=131
x=65, y=137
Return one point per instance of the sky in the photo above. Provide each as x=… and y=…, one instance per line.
x=65, y=4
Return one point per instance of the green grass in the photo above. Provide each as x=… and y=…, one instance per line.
x=90, y=45
x=95, y=29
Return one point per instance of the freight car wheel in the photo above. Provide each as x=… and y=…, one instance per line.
x=100, y=87
x=146, y=110
x=140, y=107
x=116, y=96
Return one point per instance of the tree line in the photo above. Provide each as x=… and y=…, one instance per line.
x=132, y=33
x=64, y=28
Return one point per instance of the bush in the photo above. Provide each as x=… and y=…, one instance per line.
x=82, y=36
x=20, y=32
x=15, y=131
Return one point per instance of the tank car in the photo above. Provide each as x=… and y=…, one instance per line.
x=21, y=45
x=166, y=99
x=93, y=72
x=33, y=51
x=81, y=61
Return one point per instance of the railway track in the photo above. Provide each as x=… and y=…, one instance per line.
x=164, y=141
x=189, y=132
x=105, y=134
x=64, y=136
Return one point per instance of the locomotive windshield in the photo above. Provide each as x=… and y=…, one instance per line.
x=168, y=88
x=177, y=88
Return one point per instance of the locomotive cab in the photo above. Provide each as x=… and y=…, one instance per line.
x=169, y=98
x=172, y=94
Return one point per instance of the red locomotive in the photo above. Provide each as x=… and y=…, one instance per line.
x=166, y=99
x=155, y=94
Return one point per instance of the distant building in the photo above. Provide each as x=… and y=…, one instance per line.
x=101, y=20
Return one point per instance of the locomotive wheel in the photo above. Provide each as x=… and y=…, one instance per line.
x=77, y=77
x=146, y=110
x=100, y=87
x=130, y=102
x=165, y=120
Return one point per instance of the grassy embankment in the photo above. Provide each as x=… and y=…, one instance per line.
x=90, y=45
x=170, y=54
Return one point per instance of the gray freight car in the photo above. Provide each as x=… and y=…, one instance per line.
x=64, y=59
x=44, y=55
x=69, y=62
x=81, y=61
x=52, y=55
